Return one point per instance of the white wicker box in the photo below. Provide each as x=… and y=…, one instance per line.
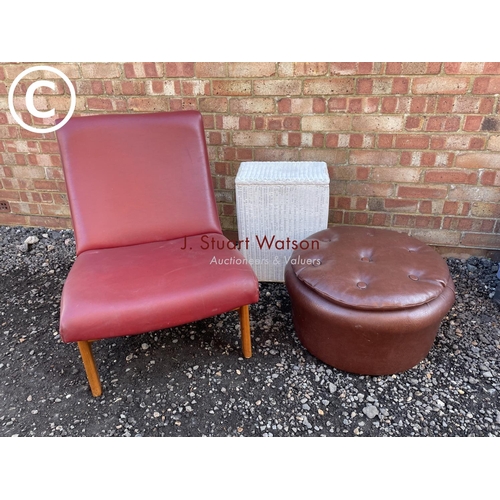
x=279, y=203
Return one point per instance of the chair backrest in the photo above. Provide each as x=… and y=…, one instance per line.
x=137, y=178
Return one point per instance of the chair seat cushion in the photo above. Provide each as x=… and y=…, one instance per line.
x=371, y=268
x=147, y=287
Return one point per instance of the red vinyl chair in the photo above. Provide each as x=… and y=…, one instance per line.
x=149, y=245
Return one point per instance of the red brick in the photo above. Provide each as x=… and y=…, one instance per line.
x=25, y=208
x=343, y=68
x=213, y=104
x=370, y=104
x=450, y=142
x=45, y=185
x=412, y=141
x=369, y=189
x=359, y=218
x=464, y=68
x=355, y=105
x=301, y=106
x=355, y=141
x=443, y=123
x=478, y=240
x=274, y=124
x=285, y=105
x=491, y=68
x=232, y=87
x=273, y=154
x=373, y=157
x=404, y=220
x=149, y=104
x=389, y=104
x=294, y=139
x=445, y=104
x=478, y=160
x=440, y=85
x=311, y=69
x=421, y=192
x=180, y=104
x=362, y=173
x=179, y=69
x=379, y=219
x=486, y=226
x=413, y=123
x=98, y=103
x=365, y=86
x=450, y=177
x=211, y=69
x=252, y=105
x=127, y=87
x=486, y=85
x=332, y=140
x=422, y=221
x=244, y=138
x=343, y=202
x=9, y=219
x=319, y=105
x=100, y=70
x=486, y=105
x=329, y=86
x=143, y=70
x=409, y=68
x=490, y=178
x=477, y=143
x=361, y=203
x=245, y=122
x=450, y=208
x=291, y=123
x=395, y=174
x=318, y=140
x=400, y=85
x=385, y=140
x=394, y=68
x=337, y=104
x=10, y=195
x=329, y=156
x=362, y=68
x=425, y=206
x=195, y=87
x=251, y=69
x=473, y=123
x=428, y=159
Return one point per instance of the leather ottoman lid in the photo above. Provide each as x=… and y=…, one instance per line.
x=367, y=268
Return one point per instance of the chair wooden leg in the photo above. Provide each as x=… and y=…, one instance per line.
x=246, y=340
x=90, y=367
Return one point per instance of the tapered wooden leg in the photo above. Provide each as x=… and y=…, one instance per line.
x=246, y=340
x=90, y=368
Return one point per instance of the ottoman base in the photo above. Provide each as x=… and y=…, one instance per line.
x=377, y=342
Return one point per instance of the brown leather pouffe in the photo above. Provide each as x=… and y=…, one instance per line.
x=368, y=301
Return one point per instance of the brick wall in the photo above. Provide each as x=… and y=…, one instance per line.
x=410, y=146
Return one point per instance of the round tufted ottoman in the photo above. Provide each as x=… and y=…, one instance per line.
x=368, y=301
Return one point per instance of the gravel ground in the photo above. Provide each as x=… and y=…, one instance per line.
x=192, y=380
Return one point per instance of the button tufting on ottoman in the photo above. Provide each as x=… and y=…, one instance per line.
x=368, y=301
